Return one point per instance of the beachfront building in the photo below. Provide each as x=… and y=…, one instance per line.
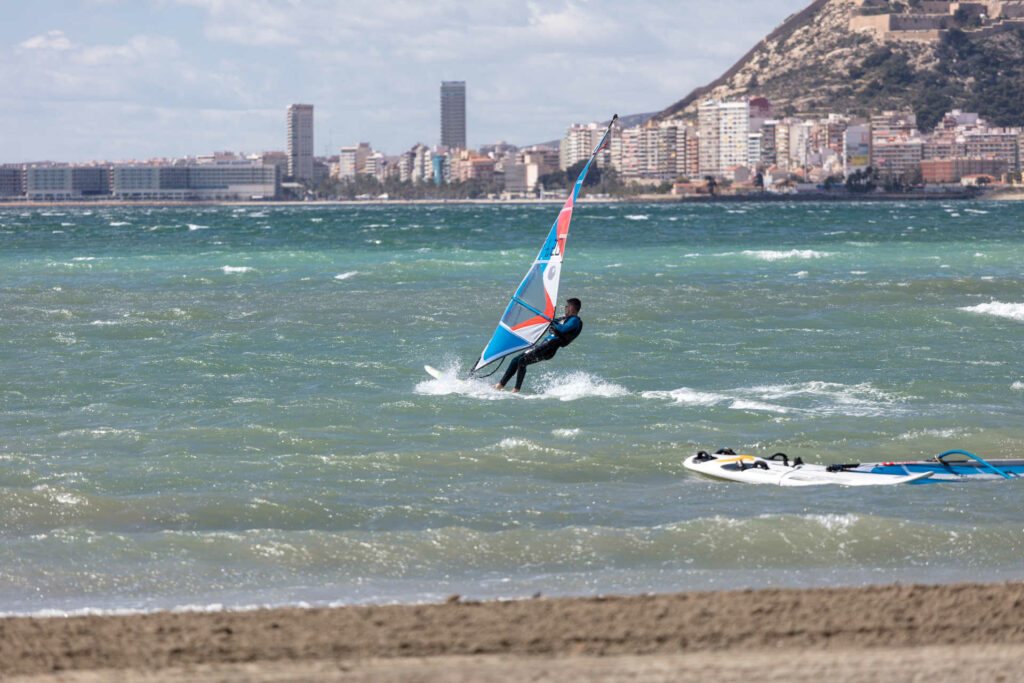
x=453, y=114
x=938, y=171
x=899, y=157
x=546, y=158
x=578, y=143
x=469, y=165
x=521, y=179
x=48, y=183
x=225, y=180
x=352, y=160
x=12, y=180
x=724, y=129
x=300, y=142
x=54, y=182
x=654, y=152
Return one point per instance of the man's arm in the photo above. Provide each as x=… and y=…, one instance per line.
x=570, y=324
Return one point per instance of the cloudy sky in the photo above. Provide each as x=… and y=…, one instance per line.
x=88, y=80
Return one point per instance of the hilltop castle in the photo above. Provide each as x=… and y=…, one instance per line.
x=929, y=20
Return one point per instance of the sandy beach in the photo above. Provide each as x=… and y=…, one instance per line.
x=897, y=632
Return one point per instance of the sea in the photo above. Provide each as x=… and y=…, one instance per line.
x=225, y=407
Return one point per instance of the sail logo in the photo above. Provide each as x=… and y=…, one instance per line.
x=551, y=274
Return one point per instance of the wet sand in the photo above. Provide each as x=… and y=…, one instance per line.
x=900, y=632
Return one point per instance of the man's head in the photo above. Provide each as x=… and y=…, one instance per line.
x=572, y=306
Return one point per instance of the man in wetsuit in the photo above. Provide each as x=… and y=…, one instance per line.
x=563, y=331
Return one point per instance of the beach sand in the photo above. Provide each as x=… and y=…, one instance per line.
x=894, y=633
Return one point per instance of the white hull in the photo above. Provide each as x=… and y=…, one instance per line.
x=751, y=469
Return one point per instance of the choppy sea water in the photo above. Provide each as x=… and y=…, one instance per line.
x=226, y=406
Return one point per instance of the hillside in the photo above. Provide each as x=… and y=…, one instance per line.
x=863, y=56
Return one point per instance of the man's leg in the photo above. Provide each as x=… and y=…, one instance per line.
x=511, y=370
x=534, y=355
x=521, y=374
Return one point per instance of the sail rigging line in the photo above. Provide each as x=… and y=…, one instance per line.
x=531, y=309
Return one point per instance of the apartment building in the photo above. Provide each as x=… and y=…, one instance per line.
x=724, y=129
x=300, y=142
x=233, y=181
x=578, y=144
x=12, y=180
x=352, y=160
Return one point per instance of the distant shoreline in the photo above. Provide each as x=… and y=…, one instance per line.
x=641, y=199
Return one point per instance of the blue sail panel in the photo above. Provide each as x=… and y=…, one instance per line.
x=503, y=342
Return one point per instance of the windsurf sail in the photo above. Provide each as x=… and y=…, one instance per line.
x=532, y=307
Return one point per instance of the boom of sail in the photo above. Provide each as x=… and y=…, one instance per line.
x=532, y=307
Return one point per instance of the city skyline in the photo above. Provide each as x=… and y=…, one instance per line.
x=92, y=80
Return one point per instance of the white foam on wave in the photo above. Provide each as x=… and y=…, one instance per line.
x=758, y=406
x=1018, y=385
x=775, y=255
x=811, y=398
x=345, y=276
x=637, y=217
x=512, y=443
x=835, y=522
x=998, y=308
x=576, y=385
x=687, y=396
x=193, y=226
x=236, y=269
x=916, y=434
x=564, y=387
x=451, y=382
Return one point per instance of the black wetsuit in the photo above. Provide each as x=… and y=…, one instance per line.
x=562, y=334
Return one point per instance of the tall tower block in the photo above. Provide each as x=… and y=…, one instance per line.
x=300, y=141
x=453, y=114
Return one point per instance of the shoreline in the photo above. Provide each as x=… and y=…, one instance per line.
x=645, y=637
x=641, y=199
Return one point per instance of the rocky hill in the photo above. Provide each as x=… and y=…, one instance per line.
x=863, y=56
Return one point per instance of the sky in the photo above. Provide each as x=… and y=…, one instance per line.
x=92, y=80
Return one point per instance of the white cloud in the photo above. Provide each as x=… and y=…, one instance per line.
x=371, y=67
x=138, y=49
x=51, y=40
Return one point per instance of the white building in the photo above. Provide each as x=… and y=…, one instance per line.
x=579, y=143
x=724, y=135
x=352, y=160
x=48, y=182
x=228, y=180
x=521, y=179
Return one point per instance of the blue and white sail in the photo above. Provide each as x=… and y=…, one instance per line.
x=532, y=307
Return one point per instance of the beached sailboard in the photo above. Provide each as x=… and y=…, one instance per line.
x=532, y=307
x=751, y=469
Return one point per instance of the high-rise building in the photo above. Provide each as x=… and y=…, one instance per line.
x=300, y=141
x=724, y=131
x=453, y=114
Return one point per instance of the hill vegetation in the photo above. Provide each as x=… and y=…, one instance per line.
x=815, y=63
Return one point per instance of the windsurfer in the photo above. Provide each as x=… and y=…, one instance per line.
x=563, y=331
